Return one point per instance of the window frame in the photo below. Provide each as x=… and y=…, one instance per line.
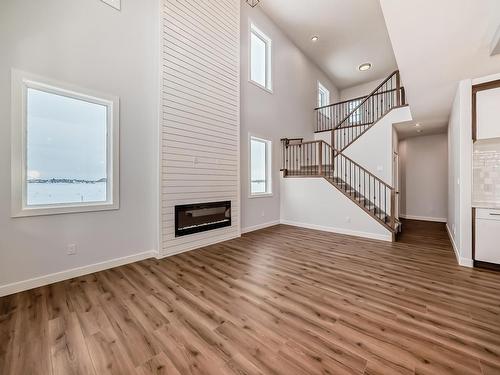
x=253, y=29
x=21, y=82
x=356, y=116
x=322, y=88
x=269, y=184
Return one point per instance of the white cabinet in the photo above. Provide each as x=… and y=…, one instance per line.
x=487, y=236
x=488, y=114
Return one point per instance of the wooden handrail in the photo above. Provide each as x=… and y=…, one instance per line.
x=339, y=103
x=396, y=72
x=359, y=166
x=324, y=144
x=291, y=139
x=318, y=159
x=356, y=99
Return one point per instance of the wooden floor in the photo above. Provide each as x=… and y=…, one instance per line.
x=282, y=300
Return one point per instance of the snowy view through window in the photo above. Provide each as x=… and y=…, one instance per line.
x=66, y=158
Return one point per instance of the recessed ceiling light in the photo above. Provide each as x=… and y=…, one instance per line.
x=315, y=38
x=417, y=125
x=365, y=66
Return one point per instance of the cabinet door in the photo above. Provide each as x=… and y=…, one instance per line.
x=487, y=241
x=488, y=113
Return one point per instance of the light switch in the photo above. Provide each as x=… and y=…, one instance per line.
x=113, y=3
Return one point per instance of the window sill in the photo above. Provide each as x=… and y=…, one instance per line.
x=63, y=209
x=263, y=195
x=270, y=91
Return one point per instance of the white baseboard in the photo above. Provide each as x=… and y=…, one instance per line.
x=75, y=272
x=424, y=218
x=464, y=262
x=382, y=237
x=260, y=226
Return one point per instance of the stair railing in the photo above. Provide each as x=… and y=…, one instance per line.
x=388, y=95
x=318, y=159
x=305, y=159
x=331, y=115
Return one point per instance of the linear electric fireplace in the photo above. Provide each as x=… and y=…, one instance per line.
x=194, y=218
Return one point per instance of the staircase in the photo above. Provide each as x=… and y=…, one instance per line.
x=347, y=121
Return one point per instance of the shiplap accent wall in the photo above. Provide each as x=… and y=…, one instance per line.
x=200, y=105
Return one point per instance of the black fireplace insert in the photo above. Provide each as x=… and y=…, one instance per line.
x=200, y=217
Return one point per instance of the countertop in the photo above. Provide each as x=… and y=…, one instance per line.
x=486, y=205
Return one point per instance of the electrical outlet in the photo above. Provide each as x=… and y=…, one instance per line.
x=71, y=249
x=347, y=219
x=262, y=214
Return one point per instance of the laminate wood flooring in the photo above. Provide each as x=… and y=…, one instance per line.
x=282, y=300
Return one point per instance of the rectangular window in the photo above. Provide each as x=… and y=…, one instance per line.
x=355, y=118
x=260, y=167
x=65, y=148
x=260, y=58
x=323, y=95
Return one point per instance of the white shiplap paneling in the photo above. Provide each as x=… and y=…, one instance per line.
x=200, y=103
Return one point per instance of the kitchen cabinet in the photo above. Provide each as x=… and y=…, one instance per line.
x=488, y=113
x=487, y=235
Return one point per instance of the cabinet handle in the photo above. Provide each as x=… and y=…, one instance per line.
x=494, y=214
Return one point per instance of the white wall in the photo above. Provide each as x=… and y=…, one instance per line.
x=287, y=112
x=423, y=162
x=459, y=221
x=374, y=149
x=460, y=169
x=88, y=44
x=200, y=113
x=360, y=90
x=326, y=209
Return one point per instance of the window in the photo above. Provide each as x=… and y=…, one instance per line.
x=65, y=148
x=260, y=167
x=260, y=58
x=355, y=118
x=323, y=95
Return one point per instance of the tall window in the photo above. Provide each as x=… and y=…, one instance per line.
x=260, y=58
x=260, y=167
x=65, y=151
x=323, y=95
x=355, y=118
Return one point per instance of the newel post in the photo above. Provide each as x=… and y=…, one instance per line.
x=320, y=158
x=393, y=209
x=332, y=144
x=398, y=89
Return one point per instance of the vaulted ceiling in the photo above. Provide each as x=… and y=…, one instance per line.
x=350, y=32
x=437, y=43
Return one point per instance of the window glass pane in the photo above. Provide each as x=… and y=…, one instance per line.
x=66, y=150
x=258, y=166
x=322, y=98
x=258, y=60
x=323, y=95
x=356, y=116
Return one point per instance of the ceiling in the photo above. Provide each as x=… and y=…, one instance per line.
x=437, y=43
x=350, y=32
